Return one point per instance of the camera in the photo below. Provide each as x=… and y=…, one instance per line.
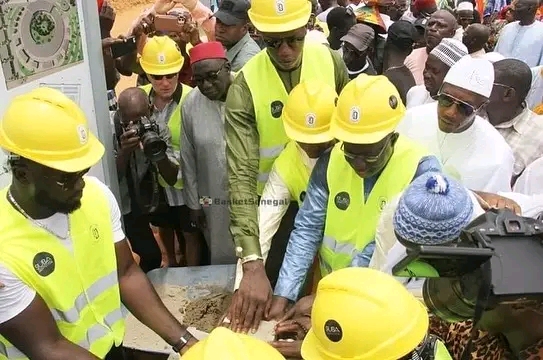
x=147, y=130
x=496, y=260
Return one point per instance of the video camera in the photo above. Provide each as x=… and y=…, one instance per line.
x=153, y=146
x=498, y=254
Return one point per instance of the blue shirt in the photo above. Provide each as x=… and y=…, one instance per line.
x=306, y=238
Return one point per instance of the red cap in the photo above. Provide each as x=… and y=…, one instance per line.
x=424, y=4
x=100, y=3
x=207, y=50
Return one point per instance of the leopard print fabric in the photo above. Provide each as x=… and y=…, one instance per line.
x=484, y=346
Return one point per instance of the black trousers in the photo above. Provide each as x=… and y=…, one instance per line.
x=279, y=244
x=140, y=235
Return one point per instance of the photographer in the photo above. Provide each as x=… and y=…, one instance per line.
x=481, y=271
x=143, y=151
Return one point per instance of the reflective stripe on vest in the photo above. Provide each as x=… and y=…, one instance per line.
x=269, y=96
x=293, y=172
x=81, y=287
x=174, y=124
x=351, y=220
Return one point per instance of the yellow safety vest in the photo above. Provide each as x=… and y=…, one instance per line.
x=293, y=172
x=81, y=288
x=350, y=220
x=269, y=96
x=174, y=124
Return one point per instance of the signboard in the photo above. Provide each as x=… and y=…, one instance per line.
x=56, y=43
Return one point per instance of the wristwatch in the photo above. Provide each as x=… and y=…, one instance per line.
x=183, y=341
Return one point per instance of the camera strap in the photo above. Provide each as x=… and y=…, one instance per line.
x=480, y=306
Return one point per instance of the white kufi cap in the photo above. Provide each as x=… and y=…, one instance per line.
x=473, y=74
x=465, y=6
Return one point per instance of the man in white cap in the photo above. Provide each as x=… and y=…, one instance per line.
x=464, y=14
x=468, y=146
x=439, y=61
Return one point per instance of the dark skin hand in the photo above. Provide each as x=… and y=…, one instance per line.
x=129, y=143
x=141, y=299
x=251, y=302
x=35, y=332
x=199, y=218
x=296, y=330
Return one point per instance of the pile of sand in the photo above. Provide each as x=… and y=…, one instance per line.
x=204, y=314
x=123, y=5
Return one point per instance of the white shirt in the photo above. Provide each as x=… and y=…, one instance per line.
x=16, y=296
x=416, y=96
x=530, y=182
x=479, y=157
x=270, y=216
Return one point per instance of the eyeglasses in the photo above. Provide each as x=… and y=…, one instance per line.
x=364, y=158
x=67, y=180
x=160, y=77
x=446, y=100
x=210, y=76
x=504, y=86
x=276, y=43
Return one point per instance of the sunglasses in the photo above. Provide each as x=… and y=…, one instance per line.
x=276, y=43
x=160, y=77
x=210, y=76
x=364, y=158
x=447, y=101
x=68, y=180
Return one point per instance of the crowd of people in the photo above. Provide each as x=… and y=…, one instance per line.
x=300, y=140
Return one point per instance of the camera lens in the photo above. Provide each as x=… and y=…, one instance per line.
x=446, y=298
x=153, y=146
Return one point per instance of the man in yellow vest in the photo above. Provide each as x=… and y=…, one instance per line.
x=351, y=185
x=65, y=263
x=161, y=60
x=306, y=118
x=255, y=135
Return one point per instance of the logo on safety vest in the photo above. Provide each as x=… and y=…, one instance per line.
x=382, y=203
x=342, y=200
x=302, y=196
x=333, y=331
x=276, y=109
x=280, y=7
x=94, y=232
x=44, y=264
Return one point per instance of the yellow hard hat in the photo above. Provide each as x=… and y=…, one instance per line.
x=224, y=344
x=45, y=126
x=308, y=110
x=161, y=56
x=363, y=314
x=277, y=16
x=368, y=109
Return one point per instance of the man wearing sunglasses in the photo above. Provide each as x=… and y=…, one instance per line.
x=468, y=146
x=351, y=185
x=65, y=263
x=255, y=135
x=161, y=60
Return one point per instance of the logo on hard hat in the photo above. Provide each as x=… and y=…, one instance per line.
x=161, y=58
x=310, y=120
x=355, y=114
x=342, y=200
x=82, y=134
x=44, y=264
x=280, y=7
x=393, y=102
x=333, y=331
x=276, y=109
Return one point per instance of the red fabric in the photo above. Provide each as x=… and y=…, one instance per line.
x=207, y=50
x=424, y=4
x=100, y=3
x=504, y=11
